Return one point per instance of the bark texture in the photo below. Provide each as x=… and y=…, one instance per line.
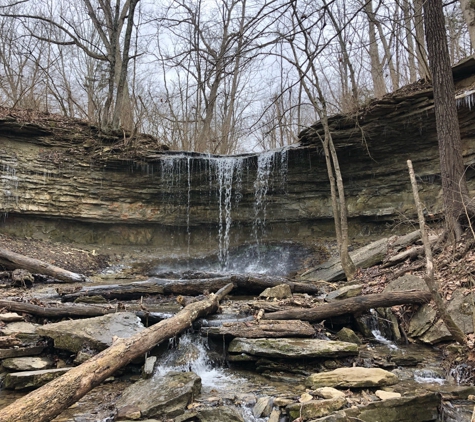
x=455, y=191
x=352, y=305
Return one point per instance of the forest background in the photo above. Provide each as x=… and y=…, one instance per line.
x=217, y=76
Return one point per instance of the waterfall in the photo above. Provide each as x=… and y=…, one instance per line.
x=8, y=185
x=227, y=179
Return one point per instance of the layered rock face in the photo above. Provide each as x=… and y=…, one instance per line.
x=70, y=184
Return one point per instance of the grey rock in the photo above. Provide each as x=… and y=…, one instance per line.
x=94, y=333
x=292, y=348
x=165, y=396
x=354, y=377
x=27, y=363
x=263, y=407
x=282, y=291
x=31, y=379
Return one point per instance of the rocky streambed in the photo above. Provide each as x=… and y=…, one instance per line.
x=393, y=363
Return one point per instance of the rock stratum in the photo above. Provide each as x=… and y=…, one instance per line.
x=65, y=180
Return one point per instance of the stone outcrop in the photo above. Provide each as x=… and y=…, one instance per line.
x=292, y=348
x=74, y=183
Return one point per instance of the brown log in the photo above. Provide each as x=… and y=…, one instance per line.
x=260, y=329
x=244, y=284
x=12, y=260
x=352, y=305
x=47, y=402
x=56, y=311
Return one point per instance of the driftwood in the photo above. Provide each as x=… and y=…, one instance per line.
x=246, y=284
x=258, y=329
x=47, y=402
x=62, y=311
x=352, y=305
x=12, y=260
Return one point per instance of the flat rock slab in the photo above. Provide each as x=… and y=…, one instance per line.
x=165, y=396
x=356, y=377
x=31, y=379
x=315, y=408
x=263, y=328
x=21, y=351
x=294, y=348
x=92, y=333
x=213, y=414
x=27, y=363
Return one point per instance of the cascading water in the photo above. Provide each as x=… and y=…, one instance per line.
x=226, y=177
x=8, y=184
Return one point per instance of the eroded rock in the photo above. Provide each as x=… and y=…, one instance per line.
x=355, y=377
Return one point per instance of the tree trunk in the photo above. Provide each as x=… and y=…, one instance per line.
x=12, y=260
x=432, y=284
x=47, y=402
x=262, y=329
x=352, y=305
x=455, y=191
x=377, y=75
x=421, y=52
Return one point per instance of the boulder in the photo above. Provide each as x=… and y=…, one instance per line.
x=282, y=291
x=348, y=335
x=166, y=396
x=355, y=377
x=92, y=333
x=31, y=379
x=293, y=348
x=345, y=292
x=263, y=407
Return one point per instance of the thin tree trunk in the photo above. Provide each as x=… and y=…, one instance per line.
x=409, y=40
x=456, y=332
x=377, y=75
x=421, y=53
x=47, y=402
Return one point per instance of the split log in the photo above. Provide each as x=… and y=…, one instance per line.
x=243, y=284
x=63, y=311
x=262, y=329
x=352, y=305
x=12, y=260
x=47, y=402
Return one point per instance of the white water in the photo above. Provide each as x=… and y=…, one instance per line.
x=227, y=174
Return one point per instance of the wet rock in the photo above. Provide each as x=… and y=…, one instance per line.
x=219, y=414
x=165, y=396
x=149, y=366
x=263, y=407
x=348, y=335
x=315, y=408
x=293, y=348
x=355, y=377
x=93, y=333
x=405, y=409
x=31, y=379
x=27, y=363
x=282, y=291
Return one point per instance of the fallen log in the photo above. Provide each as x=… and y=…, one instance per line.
x=47, y=402
x=352, y=305
x=188, y=287
x=12, y=260
x=63, y=311
x=262, y=329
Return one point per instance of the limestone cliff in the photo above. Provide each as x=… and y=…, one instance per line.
x=65, y=180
